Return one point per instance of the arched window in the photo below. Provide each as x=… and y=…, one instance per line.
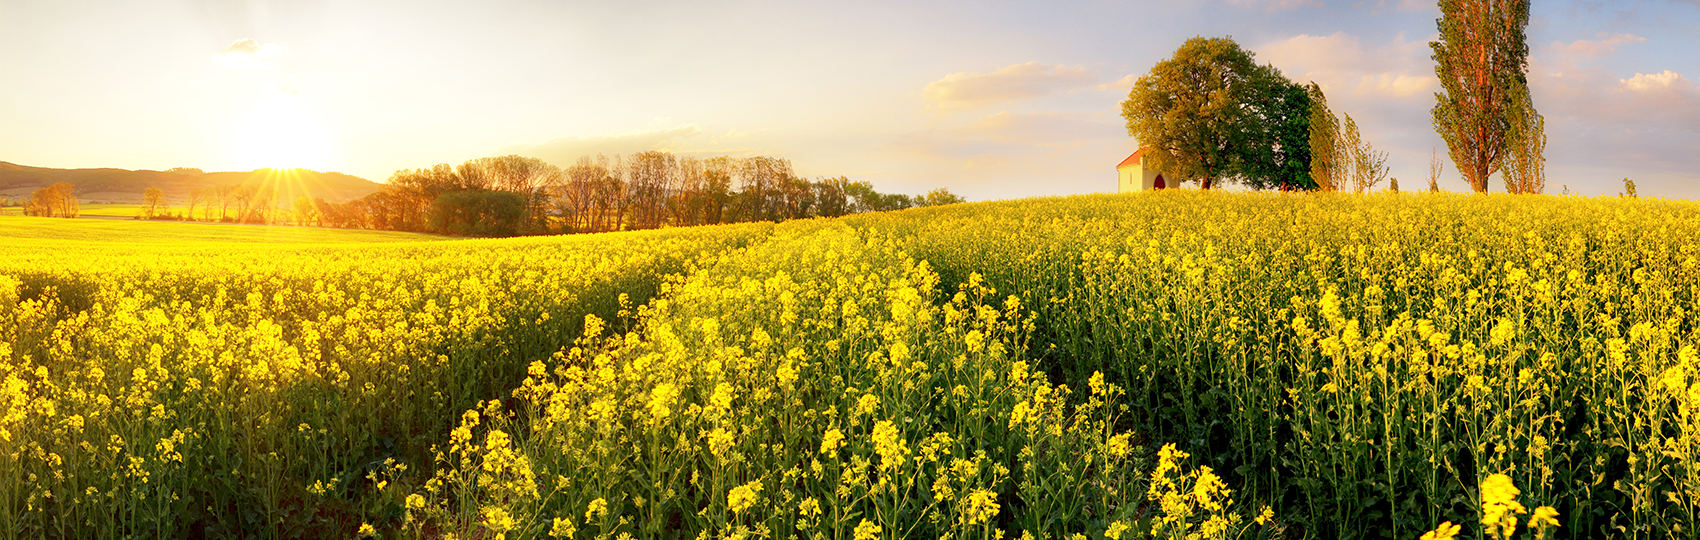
x=1159, y=183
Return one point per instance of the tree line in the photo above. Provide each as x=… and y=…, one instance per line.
x=516, y=195
x=1211, y=114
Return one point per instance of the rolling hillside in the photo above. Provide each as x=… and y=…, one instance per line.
x=119, y=185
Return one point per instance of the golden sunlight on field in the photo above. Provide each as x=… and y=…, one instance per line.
x=1176, y=364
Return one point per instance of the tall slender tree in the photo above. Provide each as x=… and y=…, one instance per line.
x=1327, y=158
x=1435, y=167
x=1526, y=140
x=1482, y=59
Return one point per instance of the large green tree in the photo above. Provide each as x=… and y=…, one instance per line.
x=1482, y=59
x=1278, y=155
x=1211, y=113
x=1190, y=110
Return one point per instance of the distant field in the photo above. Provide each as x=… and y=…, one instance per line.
x=18, y=231
x=121, y=210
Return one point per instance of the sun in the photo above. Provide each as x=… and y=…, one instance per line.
x=281, y=132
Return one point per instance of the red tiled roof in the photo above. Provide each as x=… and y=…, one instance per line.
x=1131, y=160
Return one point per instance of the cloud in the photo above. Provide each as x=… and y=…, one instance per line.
x=1005, y=137
x=1669, y=80
x=1596, y=48
x=1008, y=83
x=1647, y=122
x=1341, y=63
x=1004, y=152
x=1124, y=84
x=1277, y=5
x=685, y=139
x=247, y=54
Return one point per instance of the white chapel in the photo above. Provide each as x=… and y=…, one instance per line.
x=1133, y=175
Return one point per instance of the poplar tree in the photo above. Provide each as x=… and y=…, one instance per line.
x=1526, y=141
x=1326, y=157
x=1482, y=61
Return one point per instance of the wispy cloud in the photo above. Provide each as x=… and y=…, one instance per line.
x=1341, y=63
x=1008, y=83
x=1124, y=84
x=1606, y=45
x=684, y=139
x=246, y=53
x=1001, y=152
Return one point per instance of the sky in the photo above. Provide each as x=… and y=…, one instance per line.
x=990, y=99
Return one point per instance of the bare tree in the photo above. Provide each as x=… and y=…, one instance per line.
x=1435, y=167
x=1368, y=166
x=151, y=198
x=647, y=176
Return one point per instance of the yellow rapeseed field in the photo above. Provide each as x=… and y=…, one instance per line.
x=167, y=389
x=1364, y=363
x=1176, y=364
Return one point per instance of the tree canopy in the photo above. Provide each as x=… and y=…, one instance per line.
x=1211, y=113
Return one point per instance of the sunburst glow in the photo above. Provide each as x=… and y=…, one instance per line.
x=281, y=132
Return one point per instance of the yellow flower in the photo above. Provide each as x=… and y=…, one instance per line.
x=1263, y=517
x=1116, y=529
x=1446, y=531
x=889, y=444
x=867, y=404
x=661, y=400
x=1545, y=517
x=366, y=530
x=563, y=528
x=1019, y=415
x=1500, y=506
x=1119, y=446
x=415, y=501
x=498, y=521
x=809, y=508
x=982, y=506
x=721, y=399
x=597, y=507
x=742, y=497
x=899, y=353
x=866, y=530
x=719, y=441
x=497, y=439
x=830, y=442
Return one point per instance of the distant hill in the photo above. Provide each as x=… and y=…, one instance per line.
x=119, y=185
